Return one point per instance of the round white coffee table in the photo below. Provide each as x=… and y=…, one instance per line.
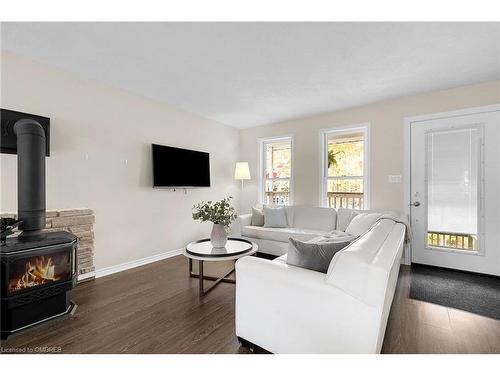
x=203, y=251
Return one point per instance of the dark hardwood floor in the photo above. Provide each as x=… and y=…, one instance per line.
x=420, y=327
x=156, y=309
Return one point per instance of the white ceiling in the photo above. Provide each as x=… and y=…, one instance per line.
x=248, y=74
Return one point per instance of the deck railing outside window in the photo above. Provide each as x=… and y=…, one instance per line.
x=335, y=200
x=279, y=198
x=452, y=240
x=345, y=200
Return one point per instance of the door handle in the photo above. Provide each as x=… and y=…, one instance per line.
x=415, y=204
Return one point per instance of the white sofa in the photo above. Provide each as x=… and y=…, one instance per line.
x=304, y=223
x=287, y=309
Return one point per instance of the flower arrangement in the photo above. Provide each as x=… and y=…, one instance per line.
x=220, y=212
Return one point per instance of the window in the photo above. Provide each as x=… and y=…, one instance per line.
x=276, y=171
x=453, y=176
x=344, y=162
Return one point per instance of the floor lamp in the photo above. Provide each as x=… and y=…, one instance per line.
x=242, y=172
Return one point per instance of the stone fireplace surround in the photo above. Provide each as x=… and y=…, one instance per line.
x=80, y=222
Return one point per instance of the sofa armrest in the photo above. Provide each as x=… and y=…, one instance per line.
x=287, y=309
x=240, y=222
x=364, y=273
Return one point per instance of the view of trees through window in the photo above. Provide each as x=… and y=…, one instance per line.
x=278, y=164
x=345, y=170
x=344, y=179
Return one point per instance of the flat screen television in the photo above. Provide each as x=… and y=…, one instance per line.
x=180, y=168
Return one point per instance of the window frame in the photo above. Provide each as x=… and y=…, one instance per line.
x=480, y=245
x=262, y=162
x=323, y=157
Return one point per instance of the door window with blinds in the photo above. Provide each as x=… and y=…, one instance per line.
x=276, y=171
x=344, y=168
x=453, y=171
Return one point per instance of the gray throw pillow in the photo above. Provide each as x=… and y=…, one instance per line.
x=313, y=256
x=275, y=217
x=257, y=217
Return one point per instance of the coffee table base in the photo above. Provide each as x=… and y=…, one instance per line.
x=201, y=277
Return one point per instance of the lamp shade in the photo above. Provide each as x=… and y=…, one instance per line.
x=242, y=172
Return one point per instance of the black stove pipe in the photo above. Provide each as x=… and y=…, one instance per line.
x=30, y=175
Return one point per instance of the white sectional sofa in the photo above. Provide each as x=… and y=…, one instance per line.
x=304, y=223
x=287, y=309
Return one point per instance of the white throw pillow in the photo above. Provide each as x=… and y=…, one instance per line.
x=344, y=217
x=257, y=217
x=275, y=217
x=361, y=223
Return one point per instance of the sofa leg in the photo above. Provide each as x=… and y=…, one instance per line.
x=246, y=344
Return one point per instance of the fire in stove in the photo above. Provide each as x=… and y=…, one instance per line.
x=36, y=271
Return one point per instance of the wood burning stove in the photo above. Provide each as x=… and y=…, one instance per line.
x=38, y=267
x=37, y=274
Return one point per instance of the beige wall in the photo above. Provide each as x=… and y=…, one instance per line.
x=387, y=142
x=111, y=126
x=133, y=220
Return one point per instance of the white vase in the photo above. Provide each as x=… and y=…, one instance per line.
x=218, y=237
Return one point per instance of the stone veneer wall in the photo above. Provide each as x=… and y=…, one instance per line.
x=80, y=222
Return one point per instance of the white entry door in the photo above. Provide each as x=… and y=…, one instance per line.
x=455, y=188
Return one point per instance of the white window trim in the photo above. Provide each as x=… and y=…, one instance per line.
x=323, y=175
x=262, y=171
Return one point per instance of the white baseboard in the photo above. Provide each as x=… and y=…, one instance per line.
x=86, y=276
x=135, y=263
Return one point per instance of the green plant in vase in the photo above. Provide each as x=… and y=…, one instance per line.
x=221, y=214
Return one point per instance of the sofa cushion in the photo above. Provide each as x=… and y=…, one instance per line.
x=257, y=217
x=280, y=234
x=361, y=223
x=315, y=256
x=335, y=236
x=270, y=247
x=275, y=217
x=288, y=209
x=344, y=217
x=319, y=218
